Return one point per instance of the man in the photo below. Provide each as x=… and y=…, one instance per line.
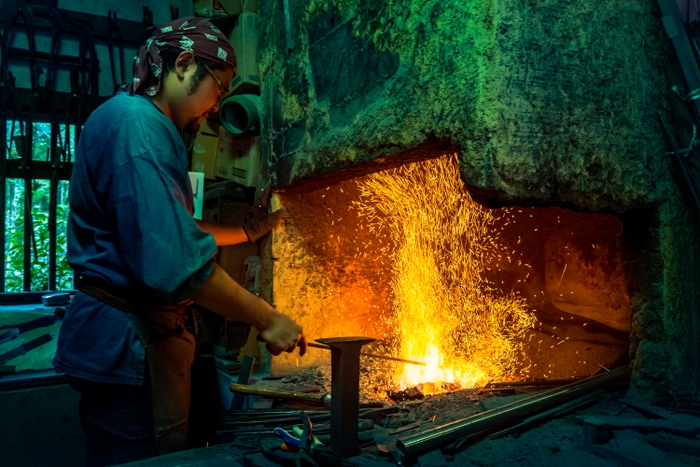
x=126, y=342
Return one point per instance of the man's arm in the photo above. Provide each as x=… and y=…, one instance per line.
x=222, y=295
x=224, y=234
x=259, y=225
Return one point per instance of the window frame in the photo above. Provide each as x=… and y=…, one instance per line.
x=54, y=170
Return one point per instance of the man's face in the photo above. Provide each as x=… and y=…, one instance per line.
x=201, y=99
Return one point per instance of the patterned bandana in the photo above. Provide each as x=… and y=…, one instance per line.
x=195, y=34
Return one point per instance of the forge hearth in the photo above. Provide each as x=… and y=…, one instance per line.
x=552, y=107
x=558, y=273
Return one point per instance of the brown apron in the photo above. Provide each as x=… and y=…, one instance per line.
x=170, y=347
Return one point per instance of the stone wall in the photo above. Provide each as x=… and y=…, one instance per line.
x=546, y=102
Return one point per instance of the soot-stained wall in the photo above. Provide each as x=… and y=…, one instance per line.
x=547, y=103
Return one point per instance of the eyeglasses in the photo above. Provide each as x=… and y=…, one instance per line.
x=223, y=90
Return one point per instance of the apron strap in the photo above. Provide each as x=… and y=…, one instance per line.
x=127, y=301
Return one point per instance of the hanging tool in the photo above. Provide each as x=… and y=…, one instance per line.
x=114, y=32
x=146, y=23
x=24, y=148
x=89, y=67
x=55, y=152
x=56, y=30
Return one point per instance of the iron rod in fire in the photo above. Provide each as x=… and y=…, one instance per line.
x=372, y=355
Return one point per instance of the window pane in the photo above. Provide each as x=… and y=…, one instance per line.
x=14, y=235
x=41, y=193
x=71, y=140
x=64, y=274
x=42, y=142
x=14, y=133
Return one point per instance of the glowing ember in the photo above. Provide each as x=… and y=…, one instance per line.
x=445, y=313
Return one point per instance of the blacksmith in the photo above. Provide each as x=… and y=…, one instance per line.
x=127, y=340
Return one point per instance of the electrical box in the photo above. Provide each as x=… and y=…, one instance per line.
x=244, y=39
x=204, y=150
x=238, y=158
x=217, y=8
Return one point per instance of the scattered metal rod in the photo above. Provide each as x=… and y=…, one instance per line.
x=268, y=432
x=373, y=355
x=408, y=427
x=518, y=389
x=279, y=420
x=362, y=425
x=647, y=410
x=556, y=411
x=318, y=399
x=523, y=408
x=264, y=417
x=539, y=382
x=256, y=412
x=685, y=411
x=380, y=412
x=263, y=414
x=325, y=428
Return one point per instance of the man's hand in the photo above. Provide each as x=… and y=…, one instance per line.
x=258, y=222
x=224, y=296
x=261, y=224
x=283, y=335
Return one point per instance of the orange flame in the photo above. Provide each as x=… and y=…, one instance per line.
x=445, y=314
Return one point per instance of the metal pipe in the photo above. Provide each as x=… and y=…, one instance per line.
x=523, y=408
x=320, y=399
x=289, y=420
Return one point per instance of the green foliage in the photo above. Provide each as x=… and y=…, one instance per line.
x=15, y=225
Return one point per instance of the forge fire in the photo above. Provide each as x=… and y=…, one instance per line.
x=444, y=311
x=477, y=294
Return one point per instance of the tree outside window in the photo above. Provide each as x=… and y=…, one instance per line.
x=40, y=207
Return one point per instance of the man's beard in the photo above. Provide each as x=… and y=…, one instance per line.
x=193, y=125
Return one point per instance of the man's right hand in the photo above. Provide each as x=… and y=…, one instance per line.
x=282, y=334
x=224, y=296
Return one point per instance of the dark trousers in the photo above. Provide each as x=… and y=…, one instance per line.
x=117, y=420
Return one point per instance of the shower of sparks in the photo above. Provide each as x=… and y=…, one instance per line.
x=445, y=313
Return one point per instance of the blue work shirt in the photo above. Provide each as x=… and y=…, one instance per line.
x=131, y=226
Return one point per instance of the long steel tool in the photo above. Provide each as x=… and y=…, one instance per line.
x=318, y=399
x=517, y=410
x=372, y=355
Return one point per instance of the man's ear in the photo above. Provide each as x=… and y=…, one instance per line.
x=183, y=62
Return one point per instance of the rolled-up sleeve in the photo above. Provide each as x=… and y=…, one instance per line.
x=157, y=238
